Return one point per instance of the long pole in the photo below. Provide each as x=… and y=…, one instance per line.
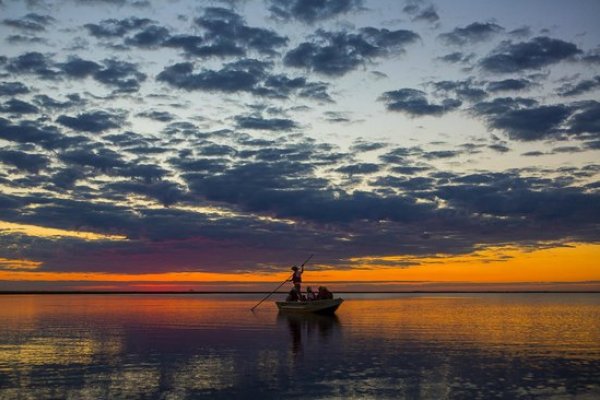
x=282, y=283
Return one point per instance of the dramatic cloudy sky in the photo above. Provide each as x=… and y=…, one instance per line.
x=187, y=141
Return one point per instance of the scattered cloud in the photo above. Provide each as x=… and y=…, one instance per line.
x=472, y=33
x=337, y=53
x=532, y=55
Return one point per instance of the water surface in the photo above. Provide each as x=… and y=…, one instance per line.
x=387, y=346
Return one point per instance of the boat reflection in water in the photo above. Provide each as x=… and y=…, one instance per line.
x=320, y=327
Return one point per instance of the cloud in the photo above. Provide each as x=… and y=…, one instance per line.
x=123, y=76
x=226, y=30
x=77, y=67
x=162, y=116
x=45, y=101
x=32, y=63
x=259, y=123
x=150, y=36
x=337, y=53
x=32, y=132
x=535, y=54
x=462, y=90
x=30, y=22
x=100, y=159
x=509, y=85
x=473, y=33
x=239, y=76
x=13, y=88
x=24, y=161
x=457, y=57
x=580, y=87
x=167, y=193
x=245, y=75
x=359, y=169
x=15, y=106
x=114, y=28
x=524, y=119
x=414, y=103
x=95, y=122
x=312, y=11
x=585, y=121
x=428, y=14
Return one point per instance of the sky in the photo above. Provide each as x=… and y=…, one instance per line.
x=408, y=145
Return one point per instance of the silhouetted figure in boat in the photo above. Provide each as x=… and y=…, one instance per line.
x=324, y=294
x=297, y=278
x=292, y=295
x=310, y=295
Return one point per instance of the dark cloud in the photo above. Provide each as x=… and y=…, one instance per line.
x=226, y=30
x=509, y=196
x=580, y=87
x=500, y=148
x=364, y=146
x=282, y=86
x=33, y=132
x=150, y=36
x=414, y=103
x=16, y=106
x=337, y=53
x=522, y=32
x=359, y=169
x=312, y=11
x=27, y=40
x=508, y=85
x=32, y=63
x=45, y=101
x=121, y=75
x=456, y=57
x=24, y=161
x=77, y=67
x=524, y=119
x=462, y=90
x=473, y=33
x=95, y=122
x=428, y=14
x=147, y=173
x=12, y=88
x=246, y=75
x=115, y=28
x=162, y=116
x=30, y=22
x=270, y=124
x=284, y=189
x=233, y=77
x=585, y=121
x=165, y=192
x=534, y=54
x=101, y=159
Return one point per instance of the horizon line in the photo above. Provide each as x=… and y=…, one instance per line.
x=57, y=292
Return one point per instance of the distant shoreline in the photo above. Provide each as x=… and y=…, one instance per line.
x=59, y=292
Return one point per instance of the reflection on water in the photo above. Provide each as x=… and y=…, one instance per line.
x=402, y=346
x=309, y=325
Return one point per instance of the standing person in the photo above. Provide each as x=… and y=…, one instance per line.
x=297, y=278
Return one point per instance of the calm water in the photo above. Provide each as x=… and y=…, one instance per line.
x=401, y=346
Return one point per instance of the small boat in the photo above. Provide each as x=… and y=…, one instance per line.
x=327, y=306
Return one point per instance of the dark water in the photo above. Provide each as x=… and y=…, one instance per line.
x=198, y=346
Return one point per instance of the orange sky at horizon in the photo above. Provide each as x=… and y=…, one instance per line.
x=576, y=262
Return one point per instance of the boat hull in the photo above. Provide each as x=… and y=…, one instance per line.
x=315, y=306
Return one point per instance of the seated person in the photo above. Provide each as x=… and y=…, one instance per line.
x=310, y=295
x=324, y=294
